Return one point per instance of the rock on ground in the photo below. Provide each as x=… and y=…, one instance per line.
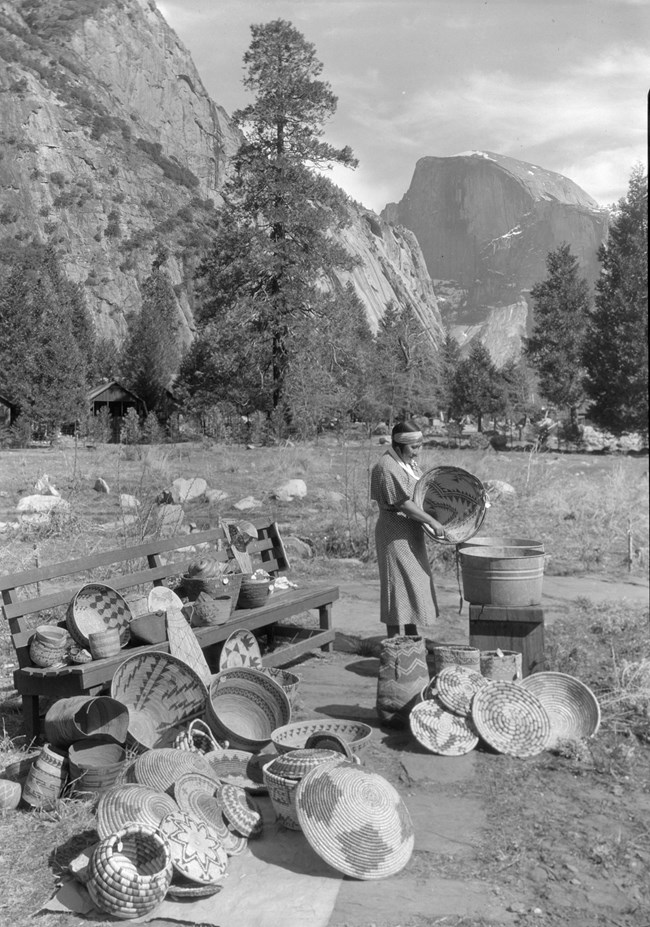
x=290, y=490
x=42, y=504
x=184, y=490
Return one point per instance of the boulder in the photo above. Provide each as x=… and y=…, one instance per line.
x=44, y=487
x=101, y=485
x=247, y=504
x=215, y=496
x=42, y=504
x=298, y=547
x=290, y=490
x=184, y=490
x=128, y=502
x=169, y=519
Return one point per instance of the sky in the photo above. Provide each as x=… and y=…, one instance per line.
x=562, y=84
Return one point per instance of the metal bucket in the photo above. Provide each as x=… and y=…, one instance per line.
x=506, y=576
x=528, y=543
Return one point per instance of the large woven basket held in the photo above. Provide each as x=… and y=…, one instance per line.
x=162, y=693
x=96, y=607
x=46, y=778
x=572, y=708
x=82, y=717
x=95, y=765
x=130, y=872
x=455, y=498
x=403, y=672
x=245, y=706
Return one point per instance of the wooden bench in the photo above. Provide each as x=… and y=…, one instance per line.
x=146, y=565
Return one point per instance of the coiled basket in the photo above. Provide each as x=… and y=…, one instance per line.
x=130, y=872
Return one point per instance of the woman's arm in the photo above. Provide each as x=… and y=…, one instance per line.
x=411, y=510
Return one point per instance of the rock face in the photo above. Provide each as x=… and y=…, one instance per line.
x=486, y=224
x=113, y=147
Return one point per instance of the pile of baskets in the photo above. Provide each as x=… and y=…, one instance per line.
x=485, y=699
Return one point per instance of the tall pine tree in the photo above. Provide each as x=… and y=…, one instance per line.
x=264, y=276
x=561, y=312
x=46, y=338
x=616, y=345
x=152, y=352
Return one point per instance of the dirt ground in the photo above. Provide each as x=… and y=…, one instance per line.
x=499, y=840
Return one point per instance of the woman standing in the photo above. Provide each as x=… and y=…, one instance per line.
x=408, y=596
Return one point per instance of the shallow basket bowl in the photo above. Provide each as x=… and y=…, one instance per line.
x=162, y=694
x=572, y=708
x=294, y=736
x=245, y=706
x=97, y=607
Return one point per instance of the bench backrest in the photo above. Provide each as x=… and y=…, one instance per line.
x=47, y=587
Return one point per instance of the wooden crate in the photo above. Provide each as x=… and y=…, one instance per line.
x=493, y=627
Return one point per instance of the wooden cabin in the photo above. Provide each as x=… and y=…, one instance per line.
x=118, y=399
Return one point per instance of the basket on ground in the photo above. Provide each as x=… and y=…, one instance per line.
x=96, y=607
x=131, y=803
x=95, y=765
x=455, y=498
x=82, y=717
x=130, y=872
x=245, y=706
x=282, y=777
x=440, y=731
x=163, y=694
x=294, y=736
x=511, y=719
x=355, y=820
x=572, y=708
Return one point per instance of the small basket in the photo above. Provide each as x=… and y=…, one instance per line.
x=253, y=593
x=198, y=738
x=282, y=792
x=130, y=872
x=43, y=655
x=456, y=655
x=46, y=778
x=356, y=734
x=289, y=682
x=223, y=584
x=96, y=607
x=104, y=644
x=501, y=664
x=210, y=610
x=150, y=628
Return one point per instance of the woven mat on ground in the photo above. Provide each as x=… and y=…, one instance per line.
x=279, y=879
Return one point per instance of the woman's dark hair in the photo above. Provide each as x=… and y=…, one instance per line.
x=401, y=428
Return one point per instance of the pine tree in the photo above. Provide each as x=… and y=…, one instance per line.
x=561, y=312
x=46, y=338
x=153, y=351
x=406, y=365
x=448, y=364
x=273, y=249
x=616, y=345
x=477, y=386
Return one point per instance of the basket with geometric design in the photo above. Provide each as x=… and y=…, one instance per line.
x=96, y=607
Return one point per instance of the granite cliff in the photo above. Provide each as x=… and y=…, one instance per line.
x=110, y=147
x=485, y=223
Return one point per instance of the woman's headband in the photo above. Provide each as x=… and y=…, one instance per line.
x=408, y=437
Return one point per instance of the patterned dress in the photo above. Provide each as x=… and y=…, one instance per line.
x=408, y=595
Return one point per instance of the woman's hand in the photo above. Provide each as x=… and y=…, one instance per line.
x=437, y=528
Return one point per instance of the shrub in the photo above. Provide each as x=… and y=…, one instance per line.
x=152, y=430
x=113, y=229
x=57, y=178
x=131, y=430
